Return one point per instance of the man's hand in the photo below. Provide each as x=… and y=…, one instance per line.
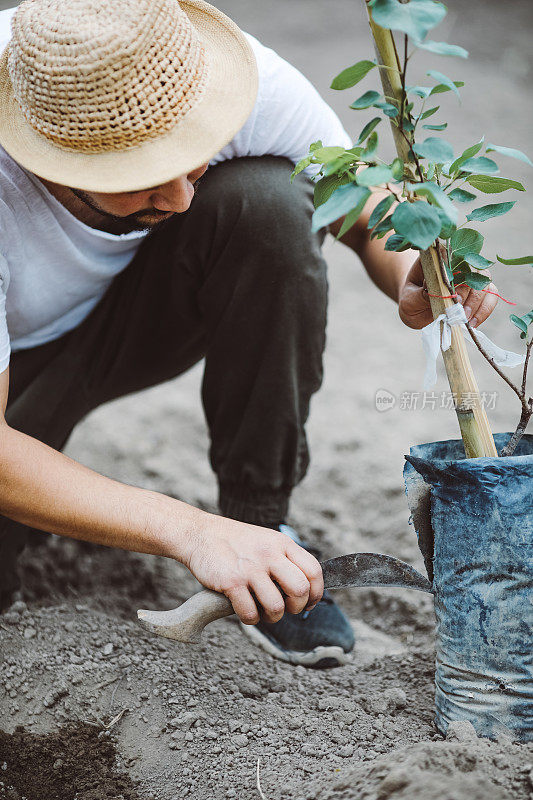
x=415, y=309
x=250, y=565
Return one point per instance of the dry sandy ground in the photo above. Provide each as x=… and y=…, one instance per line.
x=198, y=720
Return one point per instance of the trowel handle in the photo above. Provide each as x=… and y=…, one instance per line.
x=186, y=623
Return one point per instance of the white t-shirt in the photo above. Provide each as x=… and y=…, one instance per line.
x=54, y=269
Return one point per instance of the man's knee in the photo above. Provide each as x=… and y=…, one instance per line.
x=253, y=231
x=265, y=207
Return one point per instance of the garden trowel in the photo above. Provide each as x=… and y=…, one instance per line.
x=186, y=623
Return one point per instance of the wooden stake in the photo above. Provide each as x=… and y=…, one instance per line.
x=473, y=423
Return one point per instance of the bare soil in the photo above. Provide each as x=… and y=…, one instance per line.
x=194, y=722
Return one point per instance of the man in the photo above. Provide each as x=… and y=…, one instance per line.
x=115, y=277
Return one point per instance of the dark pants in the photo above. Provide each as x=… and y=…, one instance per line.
x=239, y=278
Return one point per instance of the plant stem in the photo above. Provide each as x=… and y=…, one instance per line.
x=402, y=78
x=418, y=167
x=408, y=139
x=526, y=362
x=443, y=269
x=419, y=115
x=527, y=404
x=526, y=415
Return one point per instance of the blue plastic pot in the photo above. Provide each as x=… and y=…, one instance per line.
x=474, y=521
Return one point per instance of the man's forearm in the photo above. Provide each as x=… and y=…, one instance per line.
x=388, y=270
x=47, y=490
x=255, y=567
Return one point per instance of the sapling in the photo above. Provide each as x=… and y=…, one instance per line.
x=425, y=188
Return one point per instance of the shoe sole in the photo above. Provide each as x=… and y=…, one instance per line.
x=321, y=657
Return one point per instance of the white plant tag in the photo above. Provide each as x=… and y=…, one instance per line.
x=431, y=341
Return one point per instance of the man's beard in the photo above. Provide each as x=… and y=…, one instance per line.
x=146, y=219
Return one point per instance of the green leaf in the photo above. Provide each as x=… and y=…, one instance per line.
x=380, y=210
x=324, y=188
x=421, y=91
x=434, y=192
x=352, y=75
x=367, y=130
x=382, y=227
x=476, y=260
x=480, y=166
x=459, y=272
x=415, y=18
x=490, y=184
x=300, y=166
x=509, y=151
x=448, y=228
x=461, y=196
x=397, y=168
x=464, y=275
x=443, y=87
x=465, y=155
x=466, y=240
x=352, y=216
x=487, y=212
x=443, y=48
x=344, y=162
x=522, y=323
x=371, y=147
x=443, y=80
x=387, y=108
x=366, y=100
x=429, y=112
x=440, y=127
x=340, y=203
x=516, y=261
x=325, y=154
x=434, y=149
x=315, y=146
x=476, y=281
x=373, y=176
x=397, y=243
x=339, y=166
x=418, y=222
x=372, y=98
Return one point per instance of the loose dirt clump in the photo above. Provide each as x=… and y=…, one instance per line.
x=439, y=770
x=76, y=761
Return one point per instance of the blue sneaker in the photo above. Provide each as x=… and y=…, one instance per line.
x=320, y=638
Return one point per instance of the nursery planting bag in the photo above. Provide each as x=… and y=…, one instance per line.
x=474, y=522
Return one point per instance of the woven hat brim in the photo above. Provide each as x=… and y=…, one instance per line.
x=224, y=108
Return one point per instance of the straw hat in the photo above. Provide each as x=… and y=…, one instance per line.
x=119, y=95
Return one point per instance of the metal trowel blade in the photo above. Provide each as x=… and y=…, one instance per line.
x=372, y=569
